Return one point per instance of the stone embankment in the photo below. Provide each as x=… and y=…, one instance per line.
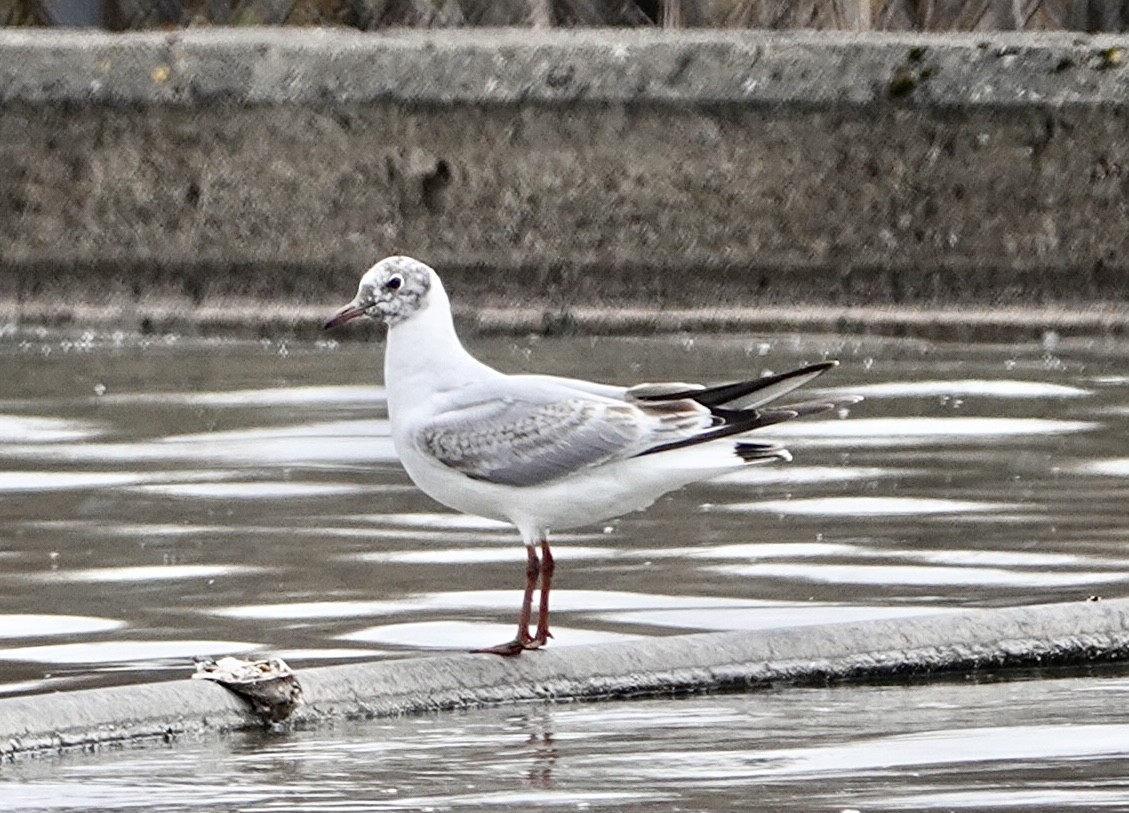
x=250, y=175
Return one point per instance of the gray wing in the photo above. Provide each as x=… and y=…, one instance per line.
x=523, y=440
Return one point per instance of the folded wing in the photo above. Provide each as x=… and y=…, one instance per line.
x=525, y=431
x=522, y=442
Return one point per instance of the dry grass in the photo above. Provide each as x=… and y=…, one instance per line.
x=855, y=15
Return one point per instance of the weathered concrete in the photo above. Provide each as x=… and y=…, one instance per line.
x=1050, y=635
x=564, y=168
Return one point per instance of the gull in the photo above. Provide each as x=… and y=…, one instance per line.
x=547, y=453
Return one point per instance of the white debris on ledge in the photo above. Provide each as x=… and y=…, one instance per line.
x=269, y=685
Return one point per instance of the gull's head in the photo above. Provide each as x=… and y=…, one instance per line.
x=390, y=292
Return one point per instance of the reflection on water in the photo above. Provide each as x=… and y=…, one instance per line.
x=1118, y=467
x=143, y=573
x=467, y=635
x=35, y=429
x=962, y=388
x=137, y=653
x=169, y=499
x=865, y=506
x=901, y=431
x=35, y=626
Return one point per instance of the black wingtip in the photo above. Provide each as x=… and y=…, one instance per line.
x=727, y=393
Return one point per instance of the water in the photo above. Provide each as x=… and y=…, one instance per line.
x=168, y=498
x=957, y=746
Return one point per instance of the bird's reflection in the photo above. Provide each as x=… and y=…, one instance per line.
x=540, y=745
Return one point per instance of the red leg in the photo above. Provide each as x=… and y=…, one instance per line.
x=532, y=574
x=523, y=639
x=543, y=635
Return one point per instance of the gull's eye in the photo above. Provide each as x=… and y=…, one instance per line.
x=394, y=282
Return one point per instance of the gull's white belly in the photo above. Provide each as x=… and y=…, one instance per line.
x=590, y=496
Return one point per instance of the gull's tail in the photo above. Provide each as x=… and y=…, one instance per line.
x=741, y=407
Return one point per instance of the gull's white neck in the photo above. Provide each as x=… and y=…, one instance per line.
x=424, y=355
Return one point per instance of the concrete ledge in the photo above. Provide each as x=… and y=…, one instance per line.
x=561, y=169
x=264, y=66
x=924, y=646
x=477, y=317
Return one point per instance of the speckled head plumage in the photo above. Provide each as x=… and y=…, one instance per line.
x=391, y=291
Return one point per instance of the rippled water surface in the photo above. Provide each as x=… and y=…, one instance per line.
x=168, y=498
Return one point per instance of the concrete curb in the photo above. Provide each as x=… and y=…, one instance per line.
x=1038, y=636
x=259, y=320
x=700, y=67
x=562, y=169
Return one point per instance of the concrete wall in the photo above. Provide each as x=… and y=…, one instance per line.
x=748, y=167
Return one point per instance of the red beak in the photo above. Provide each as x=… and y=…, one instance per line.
x=346, y=314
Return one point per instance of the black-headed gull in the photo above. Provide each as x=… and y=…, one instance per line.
x=544, y=452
